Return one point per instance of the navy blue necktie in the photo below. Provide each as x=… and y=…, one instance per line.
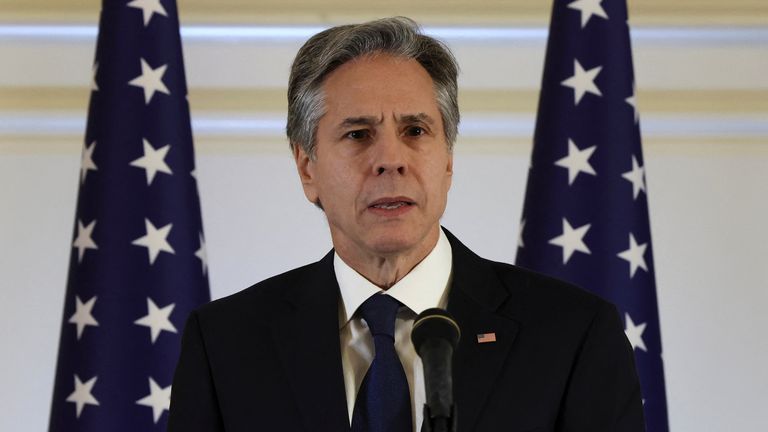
x=383, y=402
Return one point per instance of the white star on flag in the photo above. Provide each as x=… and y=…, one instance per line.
x=94, y=71
x=202, y=254
x=151, y=80
x=157, y=319
x=84, y=240
x=577, y=161
x=637, y=177
x=520, y=242
x=582, y=82
x=632, y=101
x=634, y=255
x=571, y=240
x=82, y=395
x=86, y=161
x=83, y=315
x=155, y=240
x=587, y=9
x=148, y=8
x=153, y=161
x=635, y=333
x=159, y=399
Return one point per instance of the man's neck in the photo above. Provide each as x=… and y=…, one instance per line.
x=385, y=270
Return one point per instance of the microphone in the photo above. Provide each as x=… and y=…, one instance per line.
x=435, y=335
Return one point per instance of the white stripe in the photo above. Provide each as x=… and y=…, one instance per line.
x=231, y=33
x=473, y=126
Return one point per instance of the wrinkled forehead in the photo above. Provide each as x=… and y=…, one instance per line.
x=380, y=86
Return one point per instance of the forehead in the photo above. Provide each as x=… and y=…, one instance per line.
x=379, y=84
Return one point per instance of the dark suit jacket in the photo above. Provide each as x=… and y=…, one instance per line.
x=268, y=358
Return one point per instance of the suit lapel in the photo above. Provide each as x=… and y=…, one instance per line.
x=476, y=300
x=307, y=338
x=306, y=335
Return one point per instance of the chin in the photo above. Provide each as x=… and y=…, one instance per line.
x=396, y=241
x=391, y=245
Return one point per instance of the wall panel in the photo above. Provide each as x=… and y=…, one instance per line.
x=702, y=68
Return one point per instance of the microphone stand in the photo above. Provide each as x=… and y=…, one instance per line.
x=439, y=424
x=439, y=409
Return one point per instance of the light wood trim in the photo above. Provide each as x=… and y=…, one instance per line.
x=210, y=144
x=687, y=12
x=274, y=100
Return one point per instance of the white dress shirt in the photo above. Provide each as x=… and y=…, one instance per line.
x=426, y=286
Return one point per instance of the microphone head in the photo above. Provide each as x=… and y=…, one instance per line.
x=435, y=323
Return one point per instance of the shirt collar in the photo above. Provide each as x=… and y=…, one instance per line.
x=424, y=287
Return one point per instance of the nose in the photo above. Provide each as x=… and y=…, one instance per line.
x=390, y=155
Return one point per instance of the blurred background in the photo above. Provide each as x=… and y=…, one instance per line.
x=702, y=86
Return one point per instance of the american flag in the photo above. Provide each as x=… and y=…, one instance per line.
x=138, y=264
x=585, y=217
x=486, y=337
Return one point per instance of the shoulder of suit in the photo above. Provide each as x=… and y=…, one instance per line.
x=531, y=295
x=547, y=297
x=261, y=300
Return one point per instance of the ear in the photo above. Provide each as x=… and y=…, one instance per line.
x=306, y=168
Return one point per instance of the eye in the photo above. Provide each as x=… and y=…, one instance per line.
x=357, y=135
x=415, y=131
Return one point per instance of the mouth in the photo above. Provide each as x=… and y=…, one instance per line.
x=391, y=203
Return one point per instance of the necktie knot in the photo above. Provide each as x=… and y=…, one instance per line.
x=379, y=312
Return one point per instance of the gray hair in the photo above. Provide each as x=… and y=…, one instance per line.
x=331, y=48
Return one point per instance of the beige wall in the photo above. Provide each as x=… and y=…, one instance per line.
x=702, y=74
x=645, y=12
x=675, y=77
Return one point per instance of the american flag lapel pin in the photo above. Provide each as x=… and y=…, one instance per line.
x=486, y=338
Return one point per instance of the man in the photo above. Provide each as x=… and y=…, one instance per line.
x=373, y=116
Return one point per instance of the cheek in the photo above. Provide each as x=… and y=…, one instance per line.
x=344, y=178
x=340, y=184
x=447, y=185
x=441, y=171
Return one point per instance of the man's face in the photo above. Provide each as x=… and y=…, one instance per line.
x=382, y=168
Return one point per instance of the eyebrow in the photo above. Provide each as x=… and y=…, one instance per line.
x=371, y=120
x=360, y=121
x=417, y=118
